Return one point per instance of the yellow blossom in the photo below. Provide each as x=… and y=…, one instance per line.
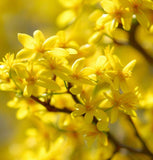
x=33, y=78
x=116, y=13
x=35, y=46
x=90, y=109
x=93, y=136
x=79, y=74
x=139, y=7
x=124, y=102
x=25, y=106
x=120, y=73
x=54, y=65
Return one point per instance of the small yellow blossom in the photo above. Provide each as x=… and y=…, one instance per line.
x=116, y=13
x=35, y=46
x=139, y=8
x=79, y=74
x=125, y=102
x=119, y=74
x=33, y=78
x=90, y=109
x=25, y=106
x=93, y=136
x=54, y=65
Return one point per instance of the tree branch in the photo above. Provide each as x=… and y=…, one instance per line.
x=49, y=107
x=133, y=42
x=119, y=146
x=75, y=98
x=145, y=148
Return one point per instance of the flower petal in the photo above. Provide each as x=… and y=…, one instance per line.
x=38, y=37
x=50, y=42
x=88, y=117
x=26, y=40
x=48, y=83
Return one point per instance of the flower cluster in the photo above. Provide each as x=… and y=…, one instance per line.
x=118, y=13
x=75, y=85
x=43, y=69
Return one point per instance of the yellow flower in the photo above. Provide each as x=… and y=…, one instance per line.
x=116, y=13
x=33, y=78
x=139, y=7
x=93, y=136
x=6, y=84
x=8, y=62
x=79, y=74
x=100, y=70
x=25, y=106
x=90, y=109
x=8, y=75
x=35, y=46
x=54, y=65
x=119, y=74
x=124, y=102
x=64, y=41
x=70, y=14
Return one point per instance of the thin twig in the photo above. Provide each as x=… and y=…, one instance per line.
x=133, y=42
x=145, y=148
x=49, y=107
x=118, y=146
x=75, y=98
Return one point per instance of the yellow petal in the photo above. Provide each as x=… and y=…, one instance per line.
x=108, y=52
x=88, y=117
x=61, y=36
x=38, y=37
x=101, y=61
x=70, y=3
x=26, y=40
x=124, y=85
x=114, y=24
x=76, y=90
x=129, y=67
x=95, y=15
x=50, y=42
x=48, y=83
x=103, y=139
x=28, y=89
x=77, y=113
x=130, y=112
x=102, y=125
x=65, y=18
x=96, y=37
x=100, y=115
x=107, y=5
x=59, y=52
x=78, y=64
x=25, y=54
x=126, y=23
x=148, y=4
x=21, y=71
x=142, y=19
x=22, y=113
x=71, y=51
x=103, y=20
x=114, y=115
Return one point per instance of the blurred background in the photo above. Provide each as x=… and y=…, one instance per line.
x=20, y=16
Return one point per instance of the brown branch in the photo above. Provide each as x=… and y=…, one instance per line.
x=49, y=107
x=75, y=98
x=119, y=146
x=52, y=108
x=145, y=148
x=130, y=149
x=133, y=42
